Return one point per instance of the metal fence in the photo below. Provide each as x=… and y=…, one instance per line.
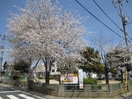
x=95, y=88
x=99, y=88
x=130, y=83
x=115, y=86
x=72, y=88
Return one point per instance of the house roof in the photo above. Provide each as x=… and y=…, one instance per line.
x=7, y=64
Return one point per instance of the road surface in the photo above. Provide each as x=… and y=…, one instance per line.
x=128, y=97
x=11, y=93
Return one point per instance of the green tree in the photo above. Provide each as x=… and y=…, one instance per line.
x=22, y=66
x=92, y=61
x=113, y=71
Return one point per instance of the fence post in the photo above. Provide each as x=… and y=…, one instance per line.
x=121, y=86
x=61, y=90
x=110, y=89
x=87, y=90
x=129, y=86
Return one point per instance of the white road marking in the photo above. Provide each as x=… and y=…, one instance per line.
x=25, y=96
x=12, y=97
x=32, y=95
x=9, y=91
x=1, y=98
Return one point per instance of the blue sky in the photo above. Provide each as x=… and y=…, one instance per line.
x=6, y=8
x=92, y=25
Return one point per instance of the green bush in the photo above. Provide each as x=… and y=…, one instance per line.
x=95, y=88
x=15, y=77
x=89, y=81
x=130, y=80
x=118, y=79
x=40, y=77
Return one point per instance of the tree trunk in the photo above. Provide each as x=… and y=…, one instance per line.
x=47, y=77
x=122, y=76
x=48, y=63
x=106, y=74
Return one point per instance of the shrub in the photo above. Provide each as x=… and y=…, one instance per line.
x=96, y=88
x=89, y=81
x=130, y=80
x=40, y=77
x=118, y=79
x=15, y=77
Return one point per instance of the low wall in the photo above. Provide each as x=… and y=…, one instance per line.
x=94, y=91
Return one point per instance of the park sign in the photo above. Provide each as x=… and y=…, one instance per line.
x=73, y=78
x=69, y=78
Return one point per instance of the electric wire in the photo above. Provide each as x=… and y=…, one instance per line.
x=99, y=19
x=130, y=7
x=126, y=15
x=107, y=15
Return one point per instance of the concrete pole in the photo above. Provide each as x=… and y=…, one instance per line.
x=124, y=21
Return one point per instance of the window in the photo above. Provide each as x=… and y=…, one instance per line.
x=53, y=70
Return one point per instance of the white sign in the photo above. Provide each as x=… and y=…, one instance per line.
x=80, y=73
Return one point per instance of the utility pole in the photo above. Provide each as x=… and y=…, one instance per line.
x=1, y=58
x=124, y=20
x=3, y=36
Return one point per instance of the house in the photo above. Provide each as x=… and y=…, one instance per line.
x=8, y=65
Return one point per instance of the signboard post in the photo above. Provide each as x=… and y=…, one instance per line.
x=80, y=73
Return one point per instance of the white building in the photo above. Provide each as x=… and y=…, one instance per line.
x=41, y=69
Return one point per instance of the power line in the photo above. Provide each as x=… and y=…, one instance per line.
x=107, y=15
x=110, y=18
x=117, y=11
x=130, y=7
x=127, y=16
x=98, y=19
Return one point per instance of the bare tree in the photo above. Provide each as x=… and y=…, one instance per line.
x=44, y=30
x=104, y=45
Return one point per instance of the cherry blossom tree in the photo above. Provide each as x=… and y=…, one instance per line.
x=43, y=29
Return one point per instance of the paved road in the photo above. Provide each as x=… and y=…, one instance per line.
x=11, y=93
x=129, y=97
